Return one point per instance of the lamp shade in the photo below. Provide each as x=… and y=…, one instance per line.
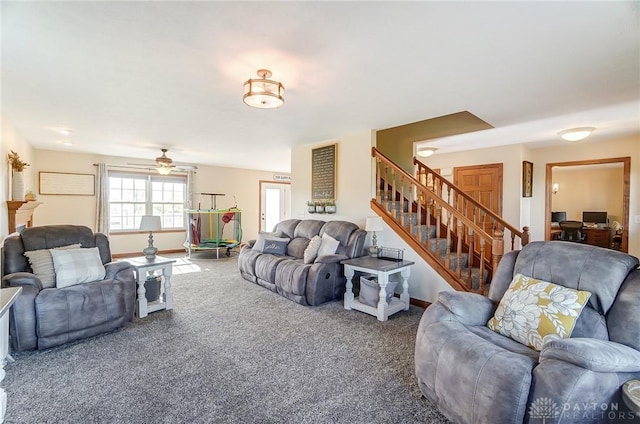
x=150, y=223
x=163, y=170
x=373, y=223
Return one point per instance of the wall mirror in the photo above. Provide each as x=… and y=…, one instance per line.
x=593, y=187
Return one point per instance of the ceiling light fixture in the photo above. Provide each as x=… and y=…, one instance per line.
x=425, y=152
x=64, y=131
x=576, y=134
x=263, y=93
x=163, y=170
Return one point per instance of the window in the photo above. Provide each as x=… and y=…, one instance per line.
x=133, y=195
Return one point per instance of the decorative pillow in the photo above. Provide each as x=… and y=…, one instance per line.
x=76, y=266
x=42, y=264
x=370, y=291
x=532, y=309
x=263, y=237
x=311, y=252
x=329, y=245
x=275, y=247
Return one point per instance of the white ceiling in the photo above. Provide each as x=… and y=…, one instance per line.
x=131, y=77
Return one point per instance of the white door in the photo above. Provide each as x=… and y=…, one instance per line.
x=275, y=204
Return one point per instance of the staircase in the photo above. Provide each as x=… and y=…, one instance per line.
x=454, y=233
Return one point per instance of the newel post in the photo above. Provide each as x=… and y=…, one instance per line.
x=497, y=248
x=526, y=236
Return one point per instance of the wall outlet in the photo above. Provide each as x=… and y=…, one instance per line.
x=636, y=219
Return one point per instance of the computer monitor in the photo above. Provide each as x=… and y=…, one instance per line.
x=558, y=216
x=594, y=217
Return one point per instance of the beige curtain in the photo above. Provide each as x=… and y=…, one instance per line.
x=102, y=209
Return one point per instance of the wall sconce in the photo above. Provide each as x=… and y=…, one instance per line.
x=555, y=188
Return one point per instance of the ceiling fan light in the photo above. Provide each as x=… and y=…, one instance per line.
x=163, y=170
x=263, y=93
x=425, y=152
x=576, y=134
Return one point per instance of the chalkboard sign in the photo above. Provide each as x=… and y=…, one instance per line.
x=323, y=172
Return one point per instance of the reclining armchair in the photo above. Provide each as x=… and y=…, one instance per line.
x=47, y=314
x=474, y=374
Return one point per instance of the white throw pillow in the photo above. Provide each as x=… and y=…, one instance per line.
x=42, y=264
x=311, y=252
x=76, y=266
x=329, y=245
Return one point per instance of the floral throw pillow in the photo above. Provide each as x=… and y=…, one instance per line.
x=532, y=309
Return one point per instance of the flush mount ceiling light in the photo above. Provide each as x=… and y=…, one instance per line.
x=576, y=134
x=425, y=152
x=263, y=93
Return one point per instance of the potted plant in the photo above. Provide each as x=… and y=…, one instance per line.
x=311, y=207
x=330, y=206
x=320, y=207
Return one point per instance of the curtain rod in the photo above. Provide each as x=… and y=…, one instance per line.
x=148, y=168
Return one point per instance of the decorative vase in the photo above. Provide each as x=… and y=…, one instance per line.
x=17, y=186
x=330, y=208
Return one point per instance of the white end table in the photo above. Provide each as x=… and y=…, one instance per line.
x=7, y=297
x=143, y=267
x=383, y=269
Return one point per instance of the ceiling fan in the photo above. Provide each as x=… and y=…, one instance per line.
x=164, y=164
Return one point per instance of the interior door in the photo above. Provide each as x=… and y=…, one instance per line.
x=275, y=203
x=484, y=184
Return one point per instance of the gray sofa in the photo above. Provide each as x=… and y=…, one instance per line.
x=308, y=284
x=475, y=375
x=46, y=317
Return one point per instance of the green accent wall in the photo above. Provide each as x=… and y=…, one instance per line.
x=397, y=143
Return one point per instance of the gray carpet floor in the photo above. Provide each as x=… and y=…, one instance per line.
x=229, y=352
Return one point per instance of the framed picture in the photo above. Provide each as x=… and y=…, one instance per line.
x=527, y=179
x=67, y=183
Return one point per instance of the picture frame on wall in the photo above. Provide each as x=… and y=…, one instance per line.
x=527, y=179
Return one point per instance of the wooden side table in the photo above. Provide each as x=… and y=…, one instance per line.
x=7, y=297
x=142, y=268
x=382, y=268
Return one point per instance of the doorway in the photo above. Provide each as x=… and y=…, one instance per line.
x=484, y=184
x=275, y=203
x=623, y=205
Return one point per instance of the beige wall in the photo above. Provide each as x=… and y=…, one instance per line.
x=62, y=209
x=355, y=189
x=601, y=149
x=11, y=139
x=592, y=189
x=530, y=211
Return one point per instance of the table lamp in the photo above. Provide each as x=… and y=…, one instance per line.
x=150, y=223
x=373, y=224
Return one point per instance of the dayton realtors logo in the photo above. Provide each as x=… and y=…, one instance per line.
x=546, y=409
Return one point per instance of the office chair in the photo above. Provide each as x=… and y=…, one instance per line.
x=571, y=231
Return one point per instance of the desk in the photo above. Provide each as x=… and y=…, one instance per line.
x=142, y=268
x=383, y=269
x=7, y=297
x=595, y=236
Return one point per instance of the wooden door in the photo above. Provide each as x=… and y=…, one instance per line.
x=484, y=184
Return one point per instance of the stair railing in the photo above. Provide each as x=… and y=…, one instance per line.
x=415, y=207
x=463, y=202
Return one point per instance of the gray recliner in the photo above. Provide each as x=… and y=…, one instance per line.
x=46, y=317
x=475, y=375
